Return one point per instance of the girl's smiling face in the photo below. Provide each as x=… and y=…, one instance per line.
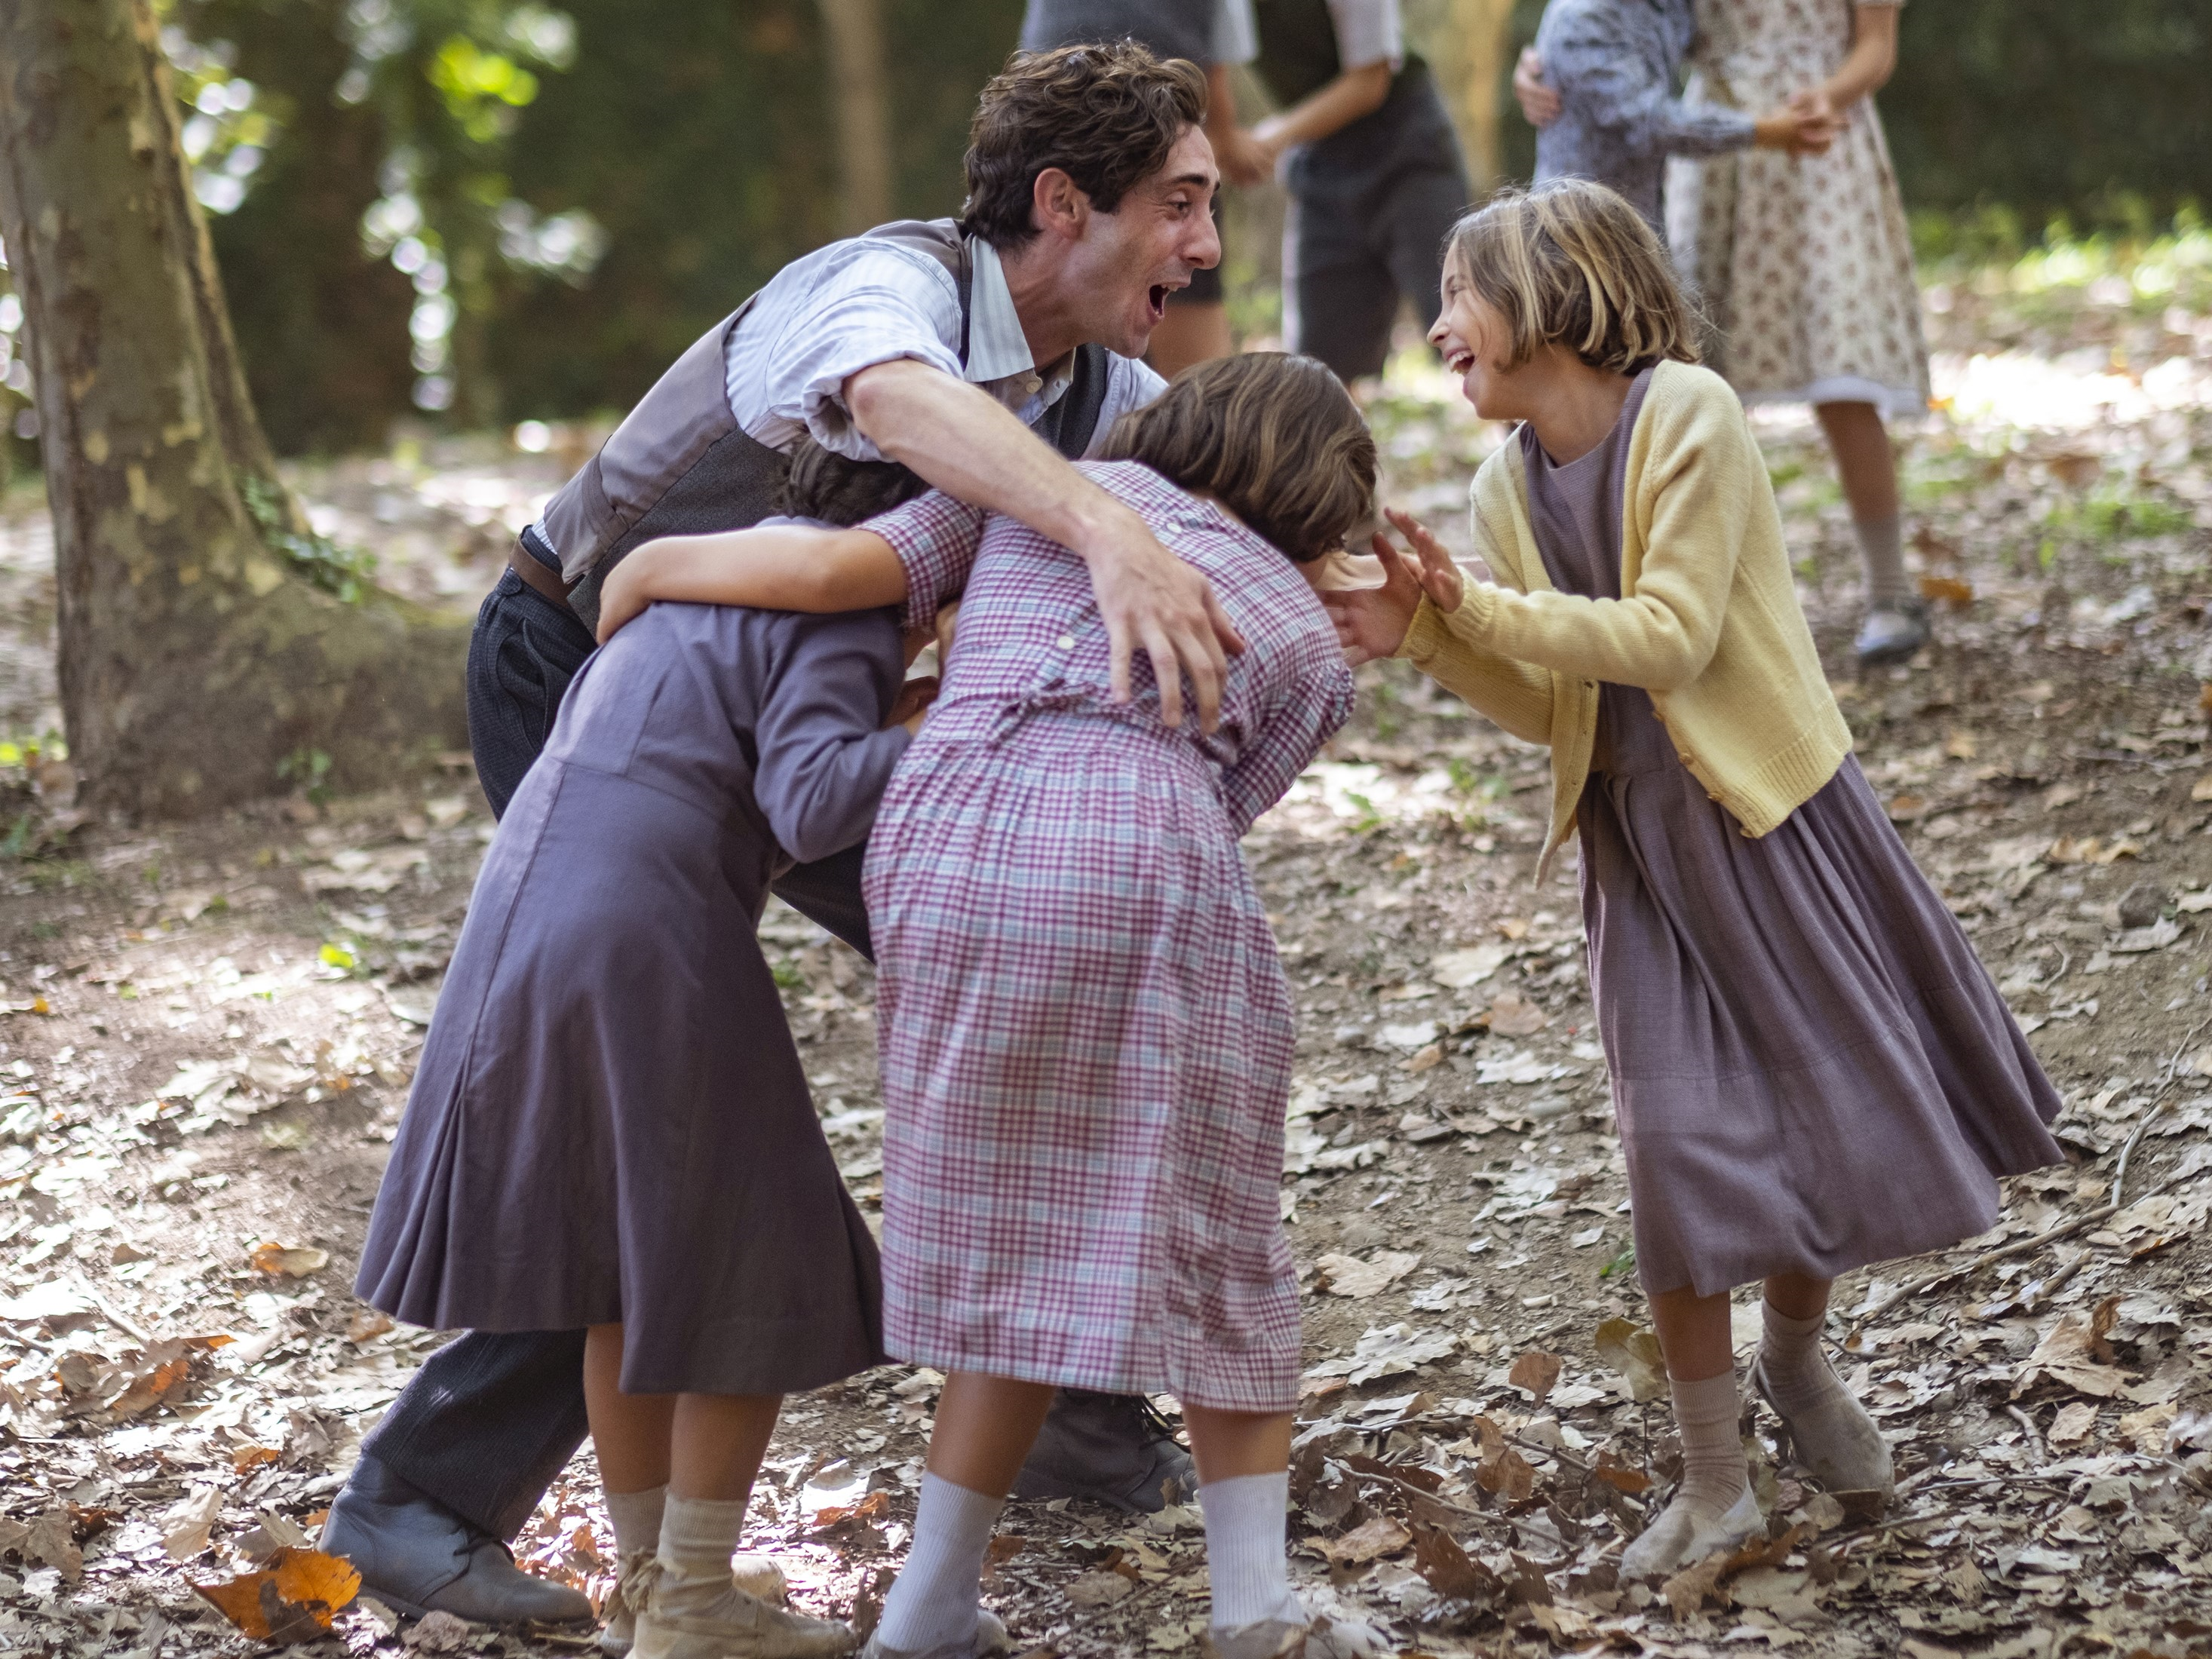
x=1471, y=336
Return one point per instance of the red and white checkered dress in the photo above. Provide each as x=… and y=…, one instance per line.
x=1086, y=1031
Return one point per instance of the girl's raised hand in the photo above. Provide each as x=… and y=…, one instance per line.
x=1371, y=621
x=1440, y=579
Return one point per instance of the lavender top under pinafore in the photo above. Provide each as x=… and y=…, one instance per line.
x=1811, y=1067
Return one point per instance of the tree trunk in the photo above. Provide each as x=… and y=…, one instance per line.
x=197, y=654
x=1481, y=33
x=855, y=32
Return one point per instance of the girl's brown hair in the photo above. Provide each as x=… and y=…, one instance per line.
x=1572, y=261
x=1275, y=437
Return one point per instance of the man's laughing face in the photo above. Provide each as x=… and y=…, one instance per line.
x=1130, y=260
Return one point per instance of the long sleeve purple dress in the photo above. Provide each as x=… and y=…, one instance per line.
x=611, y=1121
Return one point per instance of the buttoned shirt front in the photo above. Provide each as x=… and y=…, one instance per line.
x=856, y=303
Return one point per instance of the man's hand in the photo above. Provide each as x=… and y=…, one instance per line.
x=1540, y=104
x=1151, y=601
x=960, y=440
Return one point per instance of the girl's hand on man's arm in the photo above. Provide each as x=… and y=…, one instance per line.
x=1540, y=103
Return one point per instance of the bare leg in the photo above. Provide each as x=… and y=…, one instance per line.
x=1194, y=333
x=1693, y=1334
x=1865, y=463
x=984, y=1428
x=629, y=1431
x=1798, y=1296
x=1230, y=1444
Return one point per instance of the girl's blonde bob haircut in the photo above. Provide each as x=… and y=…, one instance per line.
x=1276, y=437
x=1572, y=262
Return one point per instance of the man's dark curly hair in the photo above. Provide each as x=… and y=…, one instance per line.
x=1106, y=115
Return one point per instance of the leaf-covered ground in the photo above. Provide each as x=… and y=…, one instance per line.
x=206, y=1036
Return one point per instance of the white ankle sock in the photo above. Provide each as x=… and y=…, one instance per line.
x=1714, y=1473
x=698, y=1535
x=1246, y=1518
x=636, y=1515
x=1832, y=1434
x=940, y=1591
x=1881, y=545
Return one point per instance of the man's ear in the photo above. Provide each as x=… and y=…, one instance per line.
x=1059, y=206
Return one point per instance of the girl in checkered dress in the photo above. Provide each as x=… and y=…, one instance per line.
x=1086, y=1032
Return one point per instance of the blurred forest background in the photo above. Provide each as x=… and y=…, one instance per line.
x=465, y=213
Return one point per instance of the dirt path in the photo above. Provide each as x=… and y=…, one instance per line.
x=209, y=1034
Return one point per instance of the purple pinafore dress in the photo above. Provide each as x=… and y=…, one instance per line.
x=1811, y=1068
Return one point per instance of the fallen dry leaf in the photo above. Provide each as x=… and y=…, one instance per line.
x=2073, y=1353
x=53, y=1541
x=185, y=1528
x=293, y=1600
x=367, y=1325
x=1450, y=1571
x=2072, y=1425
x=1633, y=1352
x=1948, y=589
x=1536, y=1371
x=2202, y=789
x=1369, y=1540
x=1687, y=1591
x=289, y=1261
x=1512, y=1014
x=1618, y=1475
x=1502, y=1472
x=1349, y=1276
x=438, y=1631
x=1098, y=1590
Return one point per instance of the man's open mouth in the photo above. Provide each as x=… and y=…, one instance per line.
x=1157, y=298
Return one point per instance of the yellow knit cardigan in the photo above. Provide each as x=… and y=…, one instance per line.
x=1708, y=621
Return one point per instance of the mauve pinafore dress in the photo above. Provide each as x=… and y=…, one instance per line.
x=1811, y=1068
x=611, y=1121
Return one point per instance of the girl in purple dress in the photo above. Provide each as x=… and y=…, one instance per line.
x=1086, y=1031
x=1811, y=1068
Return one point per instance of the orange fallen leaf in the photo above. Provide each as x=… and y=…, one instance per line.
x=290, y=1261
x=871, y=1507
x=1950, y=589
x=250, y=1457
x=293, y=1600
x=1618, y=1475
x=367, y=1325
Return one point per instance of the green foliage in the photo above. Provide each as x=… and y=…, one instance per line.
x=307, y=770
x=348, y=572
x=2111, y=511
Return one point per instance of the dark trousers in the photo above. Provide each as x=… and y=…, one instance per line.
x=492, y=1417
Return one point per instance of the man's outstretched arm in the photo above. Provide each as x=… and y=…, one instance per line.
x=968, y=444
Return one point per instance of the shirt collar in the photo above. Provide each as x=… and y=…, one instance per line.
x=997, y=347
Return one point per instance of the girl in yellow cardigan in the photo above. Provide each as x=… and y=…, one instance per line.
x=1810, y=1066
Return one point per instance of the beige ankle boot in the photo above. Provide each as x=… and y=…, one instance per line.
x=682, y=1618
x=757, y=1575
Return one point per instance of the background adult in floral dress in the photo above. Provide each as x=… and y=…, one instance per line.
x=1804, y=263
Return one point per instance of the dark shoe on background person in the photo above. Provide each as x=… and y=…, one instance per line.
x=416, y=1558
x=1114, y=1448
x=1892, y=634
